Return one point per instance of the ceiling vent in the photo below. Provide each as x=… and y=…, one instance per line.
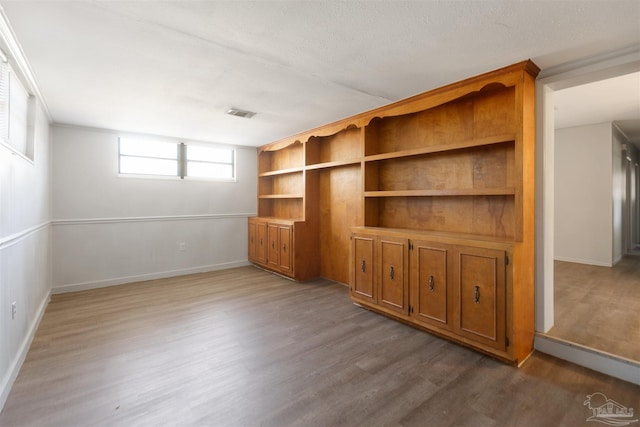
x=240, y=113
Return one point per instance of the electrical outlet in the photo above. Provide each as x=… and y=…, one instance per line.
x=14, y=310
x=182, y=246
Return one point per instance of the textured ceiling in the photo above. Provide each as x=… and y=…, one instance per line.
x=174, y=68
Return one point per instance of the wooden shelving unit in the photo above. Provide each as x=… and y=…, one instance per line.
x=425, y=207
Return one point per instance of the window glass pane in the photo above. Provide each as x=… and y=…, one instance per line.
x=209, y=154
x=147, y=166
x=146, y=148
x=18, y=107
x=4, y=101
x=209, y=170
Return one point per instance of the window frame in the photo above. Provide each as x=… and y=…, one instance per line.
x=186, y=161
x=14, y=79
x=181, y=160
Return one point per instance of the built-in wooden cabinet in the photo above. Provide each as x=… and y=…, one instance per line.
x=271, y=244
x=424, y=207
x=450, y=286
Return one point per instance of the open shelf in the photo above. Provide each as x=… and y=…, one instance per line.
x=498, y=139
x=479, y=170
x=505, y=191
x=281, y=172
x=280, y=196
x=334, y=164
x=479, y=215
x=340, y=149
x=479, y=118
x=288, y=159
x=281, y=206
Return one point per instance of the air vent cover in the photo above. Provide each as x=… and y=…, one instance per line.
x=240, y=113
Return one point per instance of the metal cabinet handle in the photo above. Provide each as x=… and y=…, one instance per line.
x=362, y=266
x=391, y=272
x=260, y=242
x=273, y=245
x=431, y=283
x=284, y=248
x=476, y=295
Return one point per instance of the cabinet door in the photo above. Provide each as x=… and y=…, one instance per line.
x=261, y=242
x=273, y=231
x=362, y=267
x=429, y=293
x=393, y=289
x=482, y=304
x=251, y=244
x=285, y=239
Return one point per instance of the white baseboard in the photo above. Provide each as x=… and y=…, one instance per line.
x=16, y=365
x=75, y=287
x=600, y=361
x=583, y=261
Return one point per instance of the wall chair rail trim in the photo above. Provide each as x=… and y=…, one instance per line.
x=63, y=222
x=16, y=238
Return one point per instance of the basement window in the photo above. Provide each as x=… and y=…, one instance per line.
x=209, y=162
x=16, y=112
x=160, y=158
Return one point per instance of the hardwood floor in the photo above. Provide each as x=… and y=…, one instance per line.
x=598, y=306
x=243, y=347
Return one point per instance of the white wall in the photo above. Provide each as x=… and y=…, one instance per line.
x=110, y=229
x=25, y=266
x=583, y=198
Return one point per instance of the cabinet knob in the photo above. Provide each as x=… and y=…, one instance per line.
x=431, y=283
x=362, y=266
x=391, y=272
x=476, y=294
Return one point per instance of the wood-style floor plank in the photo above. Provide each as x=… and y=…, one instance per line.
x=599, y=307
x=244, y=347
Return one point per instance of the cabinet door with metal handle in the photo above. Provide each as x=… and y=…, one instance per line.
x=429, y=290
x=482, y=299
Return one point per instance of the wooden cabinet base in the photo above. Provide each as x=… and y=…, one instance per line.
x=465, y=289
x=283, y=247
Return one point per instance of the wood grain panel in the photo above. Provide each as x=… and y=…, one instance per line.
x=343, y=145
x=393, y=274
x=481, y=296
x=448, y=123
x=494, y=112
x=340, y=208
x=288, y=157
x=480, y=215
x=429, y=283
x=261, y=242
x=281, y=208
x=363, y=283
x=482, y=167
